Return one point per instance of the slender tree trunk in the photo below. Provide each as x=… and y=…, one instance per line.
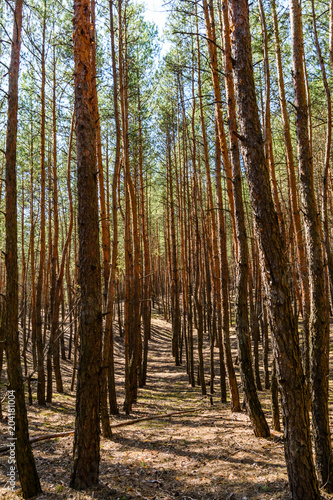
x=42, y=254
x=254, y=330
x=55, y=334
x=105, y=230
x=294, y=198
x=264, y=329
x=107, y=375
x=267, y=125
x=132, y=243
x=220, y=273
x=199, y=308
x=242, y=270
x=53, y=348
x=326, y=172
x=275, y=399
x=300, y=466
x=208, y=9
x=319, y=318
x=23, y=306
x=105, y=421
x=115, y=182
x=176, y=319
x=185, y=259
x=146, y=304
x=32, y=256
x=70, y=302
x=19, y=427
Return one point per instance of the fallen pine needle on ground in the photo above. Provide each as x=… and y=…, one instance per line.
x=193, y=450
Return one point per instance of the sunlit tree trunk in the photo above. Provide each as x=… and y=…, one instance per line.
x=326, y=172
x=176, y=319
x=210, y=28
x=242, y=322
x=146, y=304
x=132, y=242
x=220, y=273
x=42, y=254
x=267, y=125
x=105, y=231
x=319, y=318
x=32, y=256
x=198, y=281
x=107, y=375
x=296, y=218
x=24, y=457
x=300, y=466
x=87, y=432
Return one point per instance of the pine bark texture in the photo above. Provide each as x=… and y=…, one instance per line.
x=87, y=433
x=300, y=466
x=256, y=414
x=24, y=458
x=319, y=318
x=296, y=218
x=242, y=262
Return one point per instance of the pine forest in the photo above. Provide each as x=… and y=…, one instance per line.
x=166, y=249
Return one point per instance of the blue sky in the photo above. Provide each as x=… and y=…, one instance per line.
x=157, y=12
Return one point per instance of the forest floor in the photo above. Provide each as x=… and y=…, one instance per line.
x=210, y=453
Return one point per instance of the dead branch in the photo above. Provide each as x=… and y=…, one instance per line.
x=54, y=435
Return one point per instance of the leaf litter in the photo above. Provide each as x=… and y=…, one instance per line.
x=210, y=454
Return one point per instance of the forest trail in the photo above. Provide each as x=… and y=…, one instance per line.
x=209, y=454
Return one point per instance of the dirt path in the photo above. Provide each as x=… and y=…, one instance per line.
x=209, y=454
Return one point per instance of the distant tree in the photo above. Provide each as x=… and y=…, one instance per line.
x=296, y=217
x=256, y=414
x=42, y=254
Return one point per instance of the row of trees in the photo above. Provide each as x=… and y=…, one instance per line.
x=187, y=198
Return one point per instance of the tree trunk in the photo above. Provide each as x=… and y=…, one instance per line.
x=105, y=230
x=294, y=198
x=220, y=274
x=267, y=124
x=107, y=375
x=53, y=348
x=32, y=256
x=146, y=304
x=300, y=466
x=132, y=243
x=17, y=422
x=326, y=172
x=319, y=318
x=242, y=321
x=41, y=272
x=87, y=432
x=176, y=319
